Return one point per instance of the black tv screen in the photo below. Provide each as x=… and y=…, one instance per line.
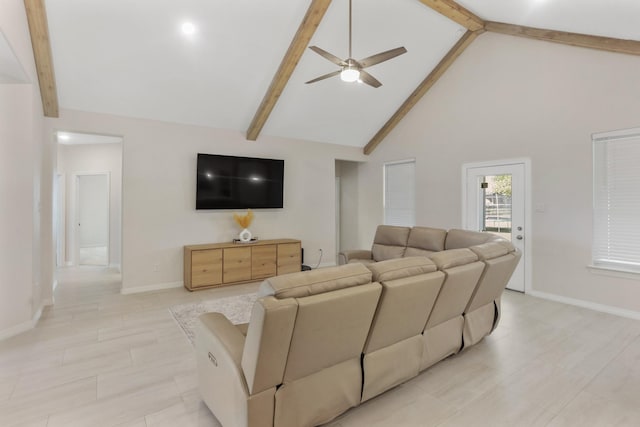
x=230, y=182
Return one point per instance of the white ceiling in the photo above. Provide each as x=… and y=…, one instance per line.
x=609, y=18
x=130, y=58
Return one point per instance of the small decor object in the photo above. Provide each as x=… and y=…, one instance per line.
x=244, y=221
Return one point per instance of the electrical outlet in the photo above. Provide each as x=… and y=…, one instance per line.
x=156, y=267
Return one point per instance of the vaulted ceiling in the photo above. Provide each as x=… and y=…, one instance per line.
x=245, y=66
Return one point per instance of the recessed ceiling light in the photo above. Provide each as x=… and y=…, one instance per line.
x=188, y=28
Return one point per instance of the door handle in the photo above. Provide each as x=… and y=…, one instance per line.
x=519, y=237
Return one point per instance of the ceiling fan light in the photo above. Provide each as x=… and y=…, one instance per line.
x=350, y=75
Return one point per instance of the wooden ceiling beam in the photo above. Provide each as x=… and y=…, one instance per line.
x=631, y=47
x=39, y=30
x=457, y=13
x=307, y=28
x=422, y=89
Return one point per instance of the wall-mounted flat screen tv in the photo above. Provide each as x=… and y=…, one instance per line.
x=230, y=182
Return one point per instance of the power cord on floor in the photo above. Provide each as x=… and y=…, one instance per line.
x=319, y=261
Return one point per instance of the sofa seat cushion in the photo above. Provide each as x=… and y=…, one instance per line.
x=306, y=283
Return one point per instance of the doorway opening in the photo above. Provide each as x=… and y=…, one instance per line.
x=88, y=195
x=496, y=199
x=346, y=205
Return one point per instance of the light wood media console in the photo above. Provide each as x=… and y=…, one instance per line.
x=220, y=264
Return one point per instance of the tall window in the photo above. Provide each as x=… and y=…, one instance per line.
x=616, y=200
x=400, y=193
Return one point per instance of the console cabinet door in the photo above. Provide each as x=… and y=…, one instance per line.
x=206, y=267
x=263, y=261
x=289, y=258
x=237, y=264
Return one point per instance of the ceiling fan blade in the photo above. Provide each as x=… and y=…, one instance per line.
x=381, y=57
x=328, y=56
x=326, y=76
x=369, y=79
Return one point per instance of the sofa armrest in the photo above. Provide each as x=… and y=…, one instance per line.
x=219, y=347
x=345, y=256
x=216, y=332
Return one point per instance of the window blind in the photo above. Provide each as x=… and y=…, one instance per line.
x=616, y=201
x=399, y=193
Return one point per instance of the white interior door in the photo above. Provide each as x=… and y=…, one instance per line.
x=93, y=219
x=496, y=202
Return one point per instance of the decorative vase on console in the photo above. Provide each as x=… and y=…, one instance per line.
x=244, y=221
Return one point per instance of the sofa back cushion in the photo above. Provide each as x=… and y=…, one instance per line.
x=267, y=343
x=409, y=289
x=500, y=259
x=330, y=328
x=457, y=238
x=463, y=271
x=426, y=239
x=389, y=242
x=306, y=283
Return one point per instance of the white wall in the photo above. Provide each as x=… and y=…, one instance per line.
x=92, y=158
x=158, y=192
x=508, y=97
x=349, y=215
x=93, y=209
x=21, y=134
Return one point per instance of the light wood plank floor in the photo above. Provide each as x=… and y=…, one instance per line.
x=98, y=358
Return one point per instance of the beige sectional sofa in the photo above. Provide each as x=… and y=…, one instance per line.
x=320, y=342
x=391, y=242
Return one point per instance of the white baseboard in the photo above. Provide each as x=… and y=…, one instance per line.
x=587, y=304
x=151, y=288
x=323, y=265
x=22, y=327
x=16, y=330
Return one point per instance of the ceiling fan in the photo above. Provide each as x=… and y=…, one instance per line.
x=352, y=70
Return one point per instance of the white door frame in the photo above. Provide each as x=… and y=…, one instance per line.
x=338, y=215
x=59, y=208
x=526, y=162
x=76, y=218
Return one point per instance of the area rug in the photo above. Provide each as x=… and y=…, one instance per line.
x=237, y=309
